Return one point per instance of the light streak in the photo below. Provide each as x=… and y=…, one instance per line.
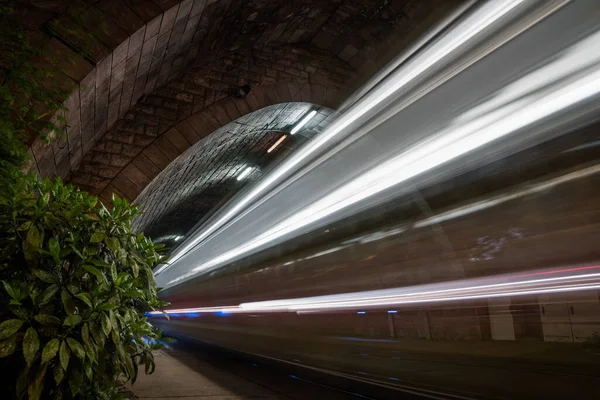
x=558, y=280
x=439, y=149
x=244, y=173
x=277, y=143
x=487, y=15
x=303, y=122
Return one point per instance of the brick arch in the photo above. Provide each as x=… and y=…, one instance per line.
x=167, y=122
x=110, y=53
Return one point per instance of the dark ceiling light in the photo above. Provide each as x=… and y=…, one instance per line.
x=243, y=91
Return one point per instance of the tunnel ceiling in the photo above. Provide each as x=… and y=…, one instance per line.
x=206, y=174
x=148, y=79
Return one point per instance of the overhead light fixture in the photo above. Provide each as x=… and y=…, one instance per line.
x=277, y=143
x=303, y=122
x=244, y=173
x=178, y=238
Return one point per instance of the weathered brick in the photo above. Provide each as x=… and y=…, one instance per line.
x=119, y=160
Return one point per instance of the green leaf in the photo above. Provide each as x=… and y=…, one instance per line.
x=135, y=269
x=98, y=263
x=59, y=374
x=76, y=347
x=35, y=388
x=31, y=345
x=112, y=243
x=113, y=272
x=75, y=381
x=97, y=237
x=106, y=306
x=85, y=297
x=10, y=290
x=94, y=271
x=97, y=335
x=85, y=336
x=10, y=327
x=72, y=320
x=64, y=355
x=33, y=238
x=67, y=301
x=22, y=382
x=50, y=350
x=45, y=276
x=8, y=346
x=48, y=294
x=54, y=248
x=106, y=326
x=73, y=289
x=88, y=370
x=47, y=320
x=115, y=336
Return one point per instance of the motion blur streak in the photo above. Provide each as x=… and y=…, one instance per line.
x=530, y=283
x=528, y=101
x=469, y=28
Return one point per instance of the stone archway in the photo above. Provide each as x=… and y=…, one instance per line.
x=164, y=124
x=114, y=52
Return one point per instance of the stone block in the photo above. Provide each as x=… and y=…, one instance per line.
x=148, y=51
x=128, y=188
x=189, y=131
x=283, y=92
x=118, y=75
x=135, y=42
x=166, y=113
x=119, y=160
x=168, y=20
x=231, y=110
x=184, y=9
x=219, y=113
x=177, y=140
x=136, y=175
x=272, y=95
x=252, y=101
x=131, y=150
x=108, y=171
x=120, y=53
x=167, y=148
x=143, y=163
x=154, y=154
x=101, y=108
x=197, y=7
x=242, y=106
x=153, y=27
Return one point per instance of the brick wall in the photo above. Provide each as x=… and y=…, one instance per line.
x=113, y=52
x=165, y=123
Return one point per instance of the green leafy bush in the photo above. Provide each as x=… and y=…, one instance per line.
x=76, y=282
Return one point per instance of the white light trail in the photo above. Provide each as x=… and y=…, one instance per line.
x=303, y=122
x=244, y=173
x=441, y=148
x=564, y=280
x=421, y=63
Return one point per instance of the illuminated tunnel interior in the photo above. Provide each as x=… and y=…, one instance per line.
x=432, y=235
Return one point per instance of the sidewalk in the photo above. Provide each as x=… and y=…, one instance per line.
x=179, y=375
